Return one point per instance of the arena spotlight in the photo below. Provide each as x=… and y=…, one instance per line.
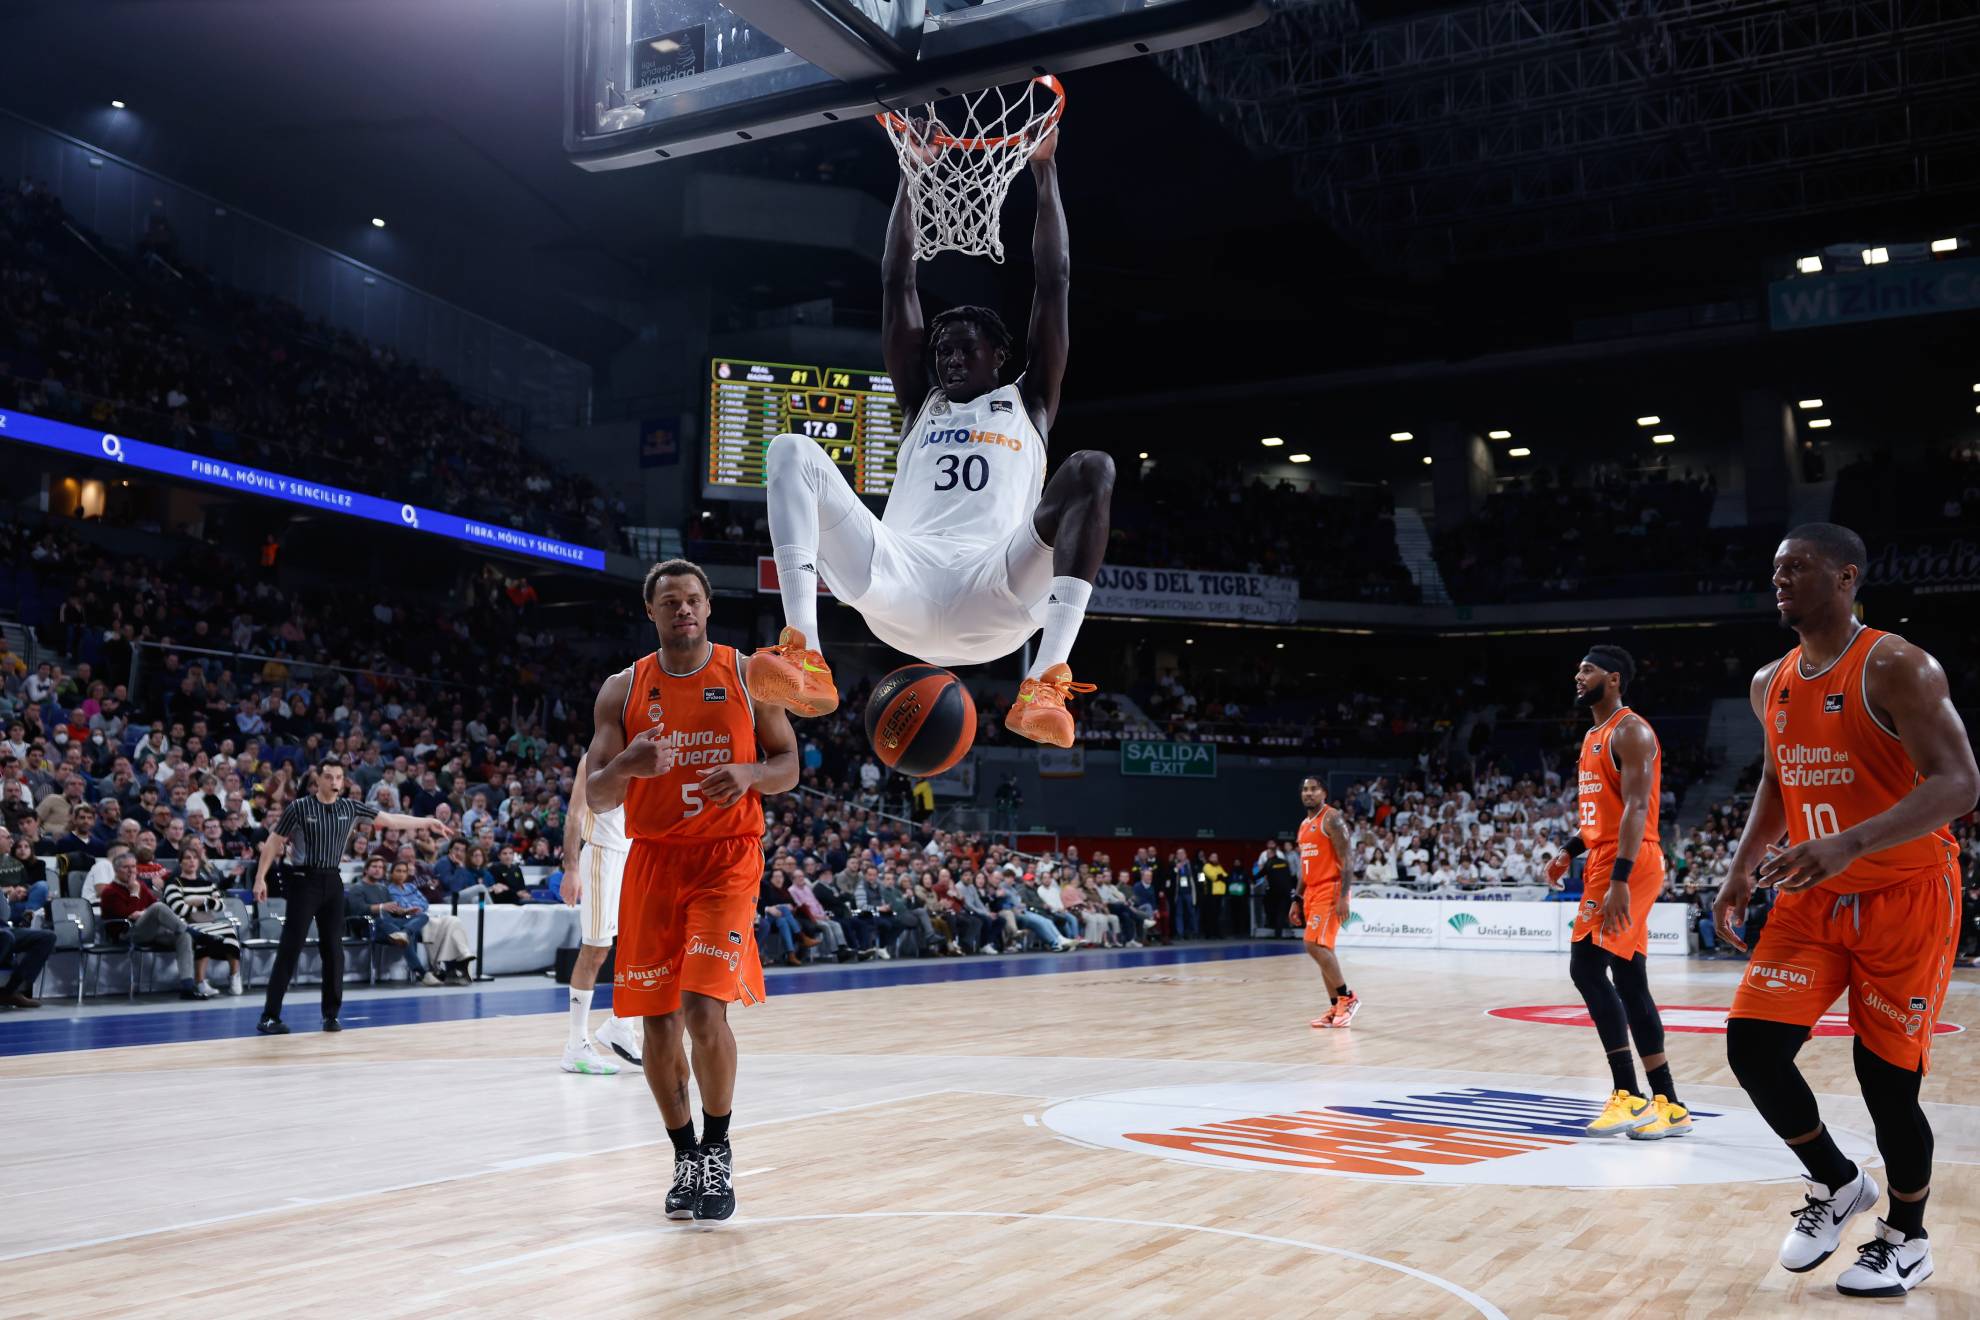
x=1282, y=646
x=1273, y=441
x=1818, y=423
x=1400, y=436
x=1938, y=244
x=1498, y=435
x=376, y=223
x=116, y=105
x=1808, y=405
x=1876, y=256
x=1426, y=460
x=1651, y=420
x=1665, y=439
x=1520, y=452
x=1299, y=458
x=1143, y=455
x=1809, y=265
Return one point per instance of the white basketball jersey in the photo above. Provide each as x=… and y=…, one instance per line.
x=607, y=829
x=968, y=472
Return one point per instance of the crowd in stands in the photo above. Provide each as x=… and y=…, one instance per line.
x=1932, y=490
x=1603, y=533
x=158, y=350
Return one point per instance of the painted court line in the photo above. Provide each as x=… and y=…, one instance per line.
x=1463, y=1294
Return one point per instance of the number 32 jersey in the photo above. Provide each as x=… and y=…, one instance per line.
x=1838, y=764
x=969, y=472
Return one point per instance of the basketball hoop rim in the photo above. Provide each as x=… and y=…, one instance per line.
x=942, y=141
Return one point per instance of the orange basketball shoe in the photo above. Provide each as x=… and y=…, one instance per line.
x=790, y=676
x=1040, y=713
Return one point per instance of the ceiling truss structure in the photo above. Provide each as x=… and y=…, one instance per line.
x=1519, y=125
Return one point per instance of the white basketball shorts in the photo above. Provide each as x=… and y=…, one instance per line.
x=598, y=907
x=954, y=602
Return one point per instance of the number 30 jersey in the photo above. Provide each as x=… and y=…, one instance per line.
x=1838, y=765
x=969, y=472
x=708, y=716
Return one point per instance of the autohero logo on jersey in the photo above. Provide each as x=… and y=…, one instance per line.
x=1798, y=765
x=1425, y=1128
x=962, y=435
x=700, y=948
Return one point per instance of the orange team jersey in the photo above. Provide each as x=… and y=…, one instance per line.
x=1319, y=868
x=1838, y=765
x=1601, y=798
x=708, y=715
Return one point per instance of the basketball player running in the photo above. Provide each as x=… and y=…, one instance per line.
x=676, y=741
x=1620, y=782
x=595, y=859
x=1866, y=764
x=1322, y=903
x=976, y=548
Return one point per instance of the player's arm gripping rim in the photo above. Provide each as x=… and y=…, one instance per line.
x=903, y=338
x=572, y=888
x=1635, y=750
x=1766, y=823
x=1336, y=830
x=777, y=772
x=1049, y=339
x=1908, y=692
x=614, y=763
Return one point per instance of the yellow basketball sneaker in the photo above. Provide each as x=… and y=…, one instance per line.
x=790, y=676
x=1673, y=1120
x=1623, y=1113
x=1040, y=713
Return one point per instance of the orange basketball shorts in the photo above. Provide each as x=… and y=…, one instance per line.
x=1891, y=949
x=1323, y=918
x=687, y=922
x=1646, y=881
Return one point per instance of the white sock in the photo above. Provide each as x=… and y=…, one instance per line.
x=1065, y=610
x=580, y=1035
x=797, y=583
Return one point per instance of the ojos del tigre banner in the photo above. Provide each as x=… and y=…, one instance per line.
x=1185, y=593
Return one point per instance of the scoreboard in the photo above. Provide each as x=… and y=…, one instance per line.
x=852, y=414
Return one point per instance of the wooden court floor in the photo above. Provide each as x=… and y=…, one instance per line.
x=1135, y=1141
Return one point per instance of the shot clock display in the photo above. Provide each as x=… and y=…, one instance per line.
x=851, y=413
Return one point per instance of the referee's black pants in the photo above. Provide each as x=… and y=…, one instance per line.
x=316, y=893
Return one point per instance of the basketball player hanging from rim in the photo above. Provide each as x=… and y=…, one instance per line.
x=1618, y=786
x=976, y=548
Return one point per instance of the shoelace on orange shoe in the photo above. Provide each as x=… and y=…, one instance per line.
x=1069, y=688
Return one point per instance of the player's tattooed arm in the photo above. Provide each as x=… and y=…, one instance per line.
x=1337, y=835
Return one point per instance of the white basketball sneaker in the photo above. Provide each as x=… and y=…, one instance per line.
x=587, y=1060
x=622, y=1038
x=1888, y=1265
x=1818, y=1225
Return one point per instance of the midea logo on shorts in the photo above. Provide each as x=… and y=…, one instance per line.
x=1874, y=1000
x=700, y=948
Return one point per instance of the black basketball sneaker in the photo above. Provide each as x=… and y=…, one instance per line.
x=718, y=1184
x=685, y=1194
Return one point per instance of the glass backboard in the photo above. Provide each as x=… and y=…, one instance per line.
x=648, y=80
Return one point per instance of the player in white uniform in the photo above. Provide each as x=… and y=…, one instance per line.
x=976, y=549
x=591, y=880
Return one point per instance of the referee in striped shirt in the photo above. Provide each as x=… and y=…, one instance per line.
x=315, y=830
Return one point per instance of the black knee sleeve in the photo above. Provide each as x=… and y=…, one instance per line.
x=1588, y=967
x=1632, y=981
x=1761, y=1055
x=1904, y=1134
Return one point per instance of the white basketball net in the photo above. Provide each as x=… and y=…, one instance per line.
x=960, y=168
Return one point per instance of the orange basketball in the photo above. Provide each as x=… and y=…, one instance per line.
x=920, y=720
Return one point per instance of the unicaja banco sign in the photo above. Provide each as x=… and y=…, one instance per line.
x=1173, y=759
